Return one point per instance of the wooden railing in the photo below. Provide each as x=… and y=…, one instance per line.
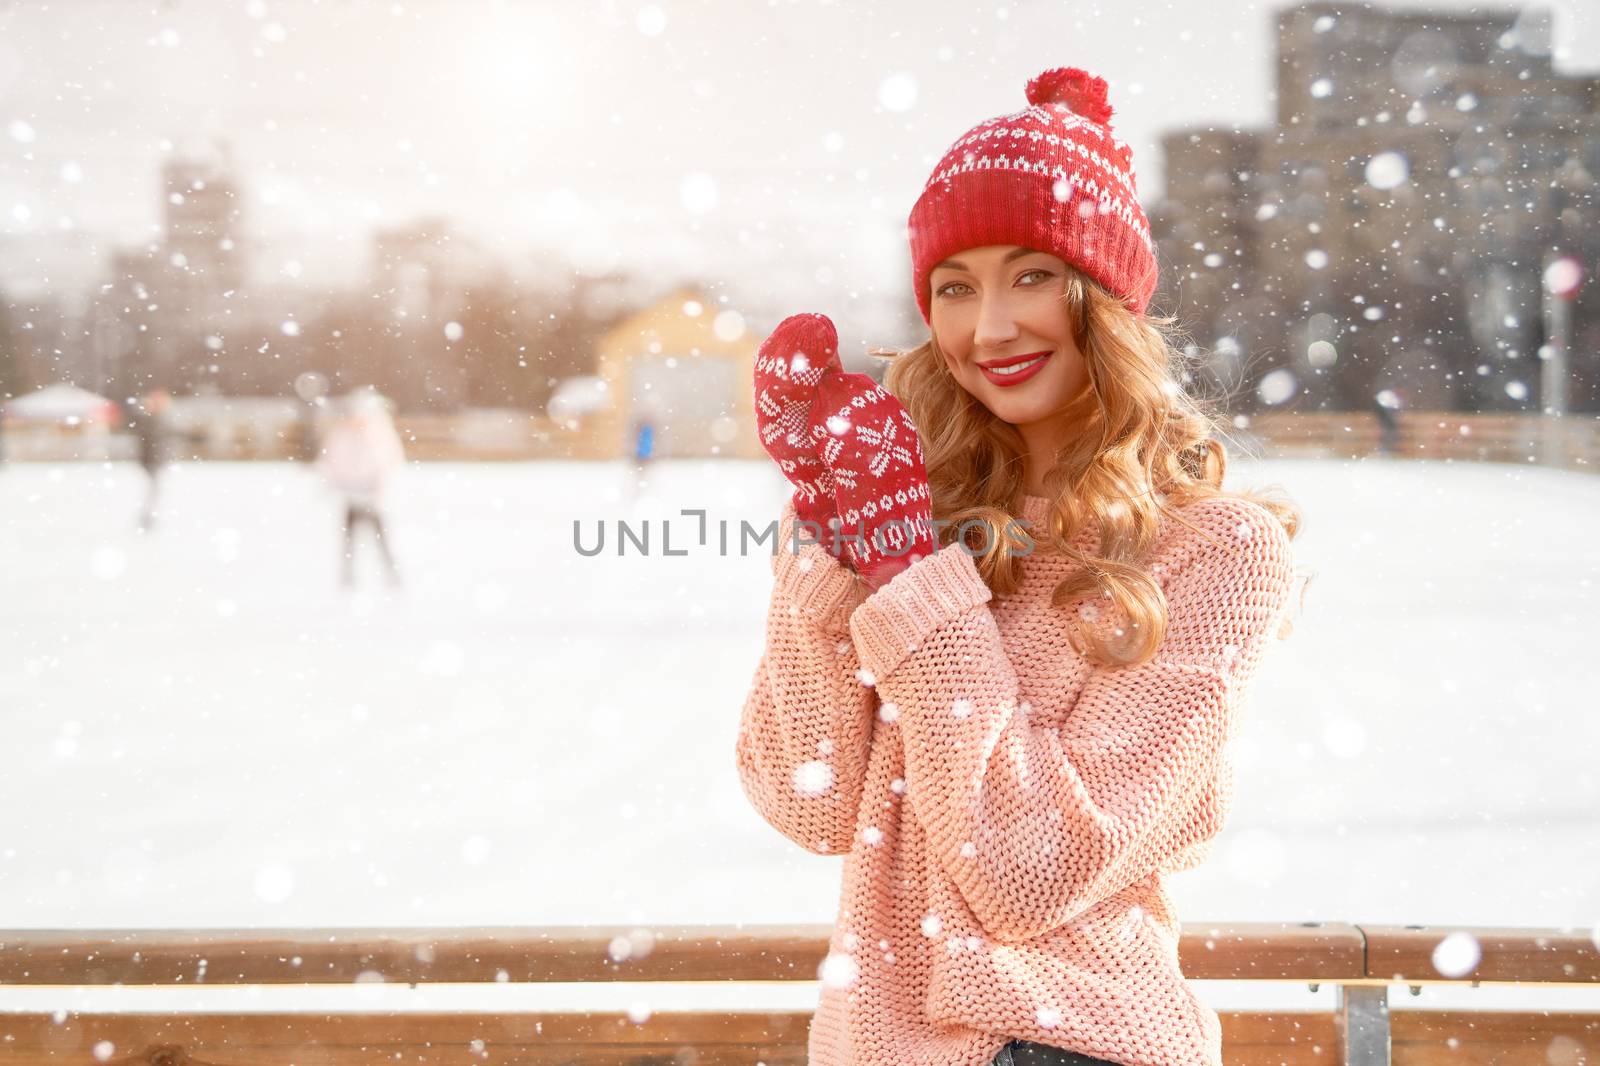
x=1360, y=962
x=1571, y=442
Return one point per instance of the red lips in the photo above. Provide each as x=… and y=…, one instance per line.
x=1013, y=359
x=1015, y=377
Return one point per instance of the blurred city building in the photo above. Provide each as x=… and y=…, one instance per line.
x=1393, y=227
x=158, y=319
x=1386, y=237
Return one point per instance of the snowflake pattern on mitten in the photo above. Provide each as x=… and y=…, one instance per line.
x=871, y=448
x=790, y=365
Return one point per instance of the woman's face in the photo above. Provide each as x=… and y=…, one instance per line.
x=999, y=318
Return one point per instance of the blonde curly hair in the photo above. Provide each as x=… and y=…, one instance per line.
x=1147, y=449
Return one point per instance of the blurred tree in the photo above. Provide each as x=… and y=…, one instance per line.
x=493, y=347
x=10, y=372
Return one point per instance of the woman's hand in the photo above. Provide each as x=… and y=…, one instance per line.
x=790, y=365
x=873, y=456
x=882, y=574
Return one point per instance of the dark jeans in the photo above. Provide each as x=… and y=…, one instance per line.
x=1027, y=1053
x=356, y=514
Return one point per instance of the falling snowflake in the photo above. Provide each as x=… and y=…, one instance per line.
x=698, y=193
x=1277, y=386
x=838, y=970
x=274, y=883
x=1387, y=170
x=651, y=21
x=1457, y=955
x=897, y=92
x=812, y=778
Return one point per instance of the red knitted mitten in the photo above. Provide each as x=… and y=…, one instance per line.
x=789, y=365
x=871, y=449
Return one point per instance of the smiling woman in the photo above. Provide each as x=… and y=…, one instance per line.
x=1013, y=746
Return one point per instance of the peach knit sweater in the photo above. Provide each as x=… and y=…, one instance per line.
x=1008, y=810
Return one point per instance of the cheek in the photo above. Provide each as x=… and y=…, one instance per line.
x=952, y=347
x=1049, y=322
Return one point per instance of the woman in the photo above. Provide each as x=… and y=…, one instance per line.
x=359, y=459
x=1013, y=733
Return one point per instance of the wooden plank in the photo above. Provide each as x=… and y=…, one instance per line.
x=1272, y=951
x=1266, y=1038
x=1250, y=1038
x=1252, y=950
x=1493, y=1038
x=411, y=956
x=777, y=1038
x=601, y=1039
x=1407, y=953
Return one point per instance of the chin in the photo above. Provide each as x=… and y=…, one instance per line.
x=1026, y=405
x=1019, y=413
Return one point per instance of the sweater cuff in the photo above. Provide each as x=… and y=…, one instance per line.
x=892, y=622
x=816, y=586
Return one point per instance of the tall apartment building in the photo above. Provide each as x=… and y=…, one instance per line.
x=161, y=316
x=1392, y=228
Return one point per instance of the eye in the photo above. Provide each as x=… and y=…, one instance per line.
x=944, y=290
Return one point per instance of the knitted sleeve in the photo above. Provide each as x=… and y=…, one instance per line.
x=806, y=726
x=1036, y=825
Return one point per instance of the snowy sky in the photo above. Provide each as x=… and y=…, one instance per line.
x=650, y=134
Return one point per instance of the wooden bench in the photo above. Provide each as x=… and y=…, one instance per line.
x=1360, y=962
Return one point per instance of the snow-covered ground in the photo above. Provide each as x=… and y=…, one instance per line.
x=203, y=730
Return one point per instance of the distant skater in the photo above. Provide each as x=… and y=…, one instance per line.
x=644, y=452
x=147, y=418
x=359, y=457
x=1386, y=409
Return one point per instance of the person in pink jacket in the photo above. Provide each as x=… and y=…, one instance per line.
x=359, y=458
x=1013, y=620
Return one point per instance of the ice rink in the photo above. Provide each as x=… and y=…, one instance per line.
x=205, y=731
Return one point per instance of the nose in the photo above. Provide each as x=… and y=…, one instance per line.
x=997, y=323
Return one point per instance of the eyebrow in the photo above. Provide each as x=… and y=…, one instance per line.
x=1015, y=253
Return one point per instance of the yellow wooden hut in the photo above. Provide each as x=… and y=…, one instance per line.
x=678, y=374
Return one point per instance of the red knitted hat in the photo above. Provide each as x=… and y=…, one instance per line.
x=1052, y=177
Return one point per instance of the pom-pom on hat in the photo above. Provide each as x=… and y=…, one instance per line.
x=1053, y=177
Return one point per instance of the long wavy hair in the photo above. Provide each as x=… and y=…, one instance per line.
x=1148, y=447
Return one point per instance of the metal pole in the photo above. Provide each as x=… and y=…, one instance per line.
x=1362, y=1015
